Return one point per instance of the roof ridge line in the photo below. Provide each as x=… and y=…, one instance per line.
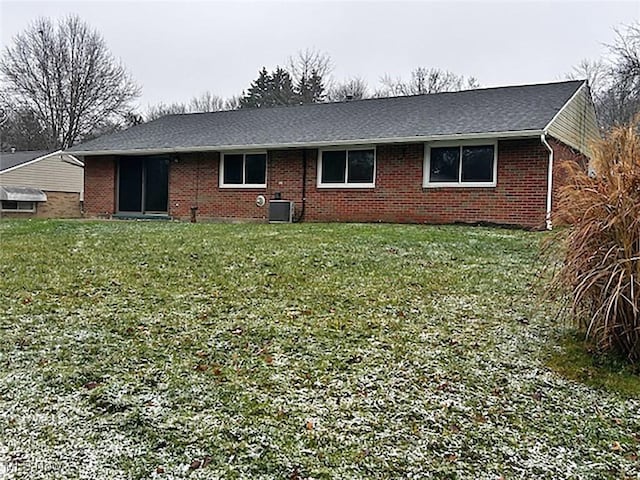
x=319, y=104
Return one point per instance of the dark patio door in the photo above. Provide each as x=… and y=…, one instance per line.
x=143, y=184
x=155, y=193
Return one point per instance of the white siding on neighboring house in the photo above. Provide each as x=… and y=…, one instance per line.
x=576, y=123
x=49, y=174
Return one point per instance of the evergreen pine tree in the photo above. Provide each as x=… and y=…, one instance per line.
x=316, y=87
x=282, y=91
x=310, y=88
x=258, y=92
x=270, y=90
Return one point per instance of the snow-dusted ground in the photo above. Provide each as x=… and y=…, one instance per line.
x=137, y=350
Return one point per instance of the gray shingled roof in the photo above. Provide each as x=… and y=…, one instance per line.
x=9, y=160
x=490, y=110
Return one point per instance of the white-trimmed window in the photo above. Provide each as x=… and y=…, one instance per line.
x=17, y=206
x=243, y=170
x=461, y=165
x=347, y=167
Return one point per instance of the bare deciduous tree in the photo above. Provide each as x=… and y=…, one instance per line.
x=615, y=79
x=22, y=131
x=620, y=102
x=65, y=75
x=423, y=81
x=355, y=88
x=4, y=109
x=232, y=103
x=163, y=109
x=205, y=102
x=626, y=58
x=595, y=72
x=310, y=72
x=305, y=62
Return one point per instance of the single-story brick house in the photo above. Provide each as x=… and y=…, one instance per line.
x=41, y=184
x=485, y=155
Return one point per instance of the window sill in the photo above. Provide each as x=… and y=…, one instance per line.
x=244, y=187
x=459, y=185
x=342, y=186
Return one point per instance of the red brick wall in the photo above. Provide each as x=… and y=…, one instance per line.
x=285, y=175
x=518, y=199
x=189, y=180
x=99, y=186
x=194, y=181
x=563, y=154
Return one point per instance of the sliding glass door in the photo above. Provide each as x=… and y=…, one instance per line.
x=143, y=185
x=156, y=184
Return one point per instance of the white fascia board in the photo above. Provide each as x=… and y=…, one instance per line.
x=30, y=162
x=279, y=146
x=72, y=160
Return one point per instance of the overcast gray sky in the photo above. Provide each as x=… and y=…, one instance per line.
x=176, y=50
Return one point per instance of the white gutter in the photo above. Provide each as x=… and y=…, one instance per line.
x=543, y=139
x=275, y=146
x=71, y=160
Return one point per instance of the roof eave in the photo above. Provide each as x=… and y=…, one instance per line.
x=72, y=161
x=318, y=144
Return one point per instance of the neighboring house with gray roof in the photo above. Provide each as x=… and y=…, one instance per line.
x=484, y=155
x=41, y=184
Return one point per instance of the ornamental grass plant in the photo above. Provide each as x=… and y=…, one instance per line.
x=601, y=246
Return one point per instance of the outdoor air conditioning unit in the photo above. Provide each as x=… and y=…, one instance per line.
x=281, y=211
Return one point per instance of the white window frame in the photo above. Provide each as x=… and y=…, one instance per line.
x=426, y=183
x=18, y=210
x=346, y=183
x=244, y=162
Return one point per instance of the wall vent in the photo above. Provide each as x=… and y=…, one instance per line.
x=280, y=211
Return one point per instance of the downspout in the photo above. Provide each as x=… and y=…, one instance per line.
x=196, y=202
x=543, y=139
x=304, y=184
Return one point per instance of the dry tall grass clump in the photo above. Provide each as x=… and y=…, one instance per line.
x=601, y=266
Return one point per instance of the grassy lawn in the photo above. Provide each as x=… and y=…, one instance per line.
x=172, y=350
